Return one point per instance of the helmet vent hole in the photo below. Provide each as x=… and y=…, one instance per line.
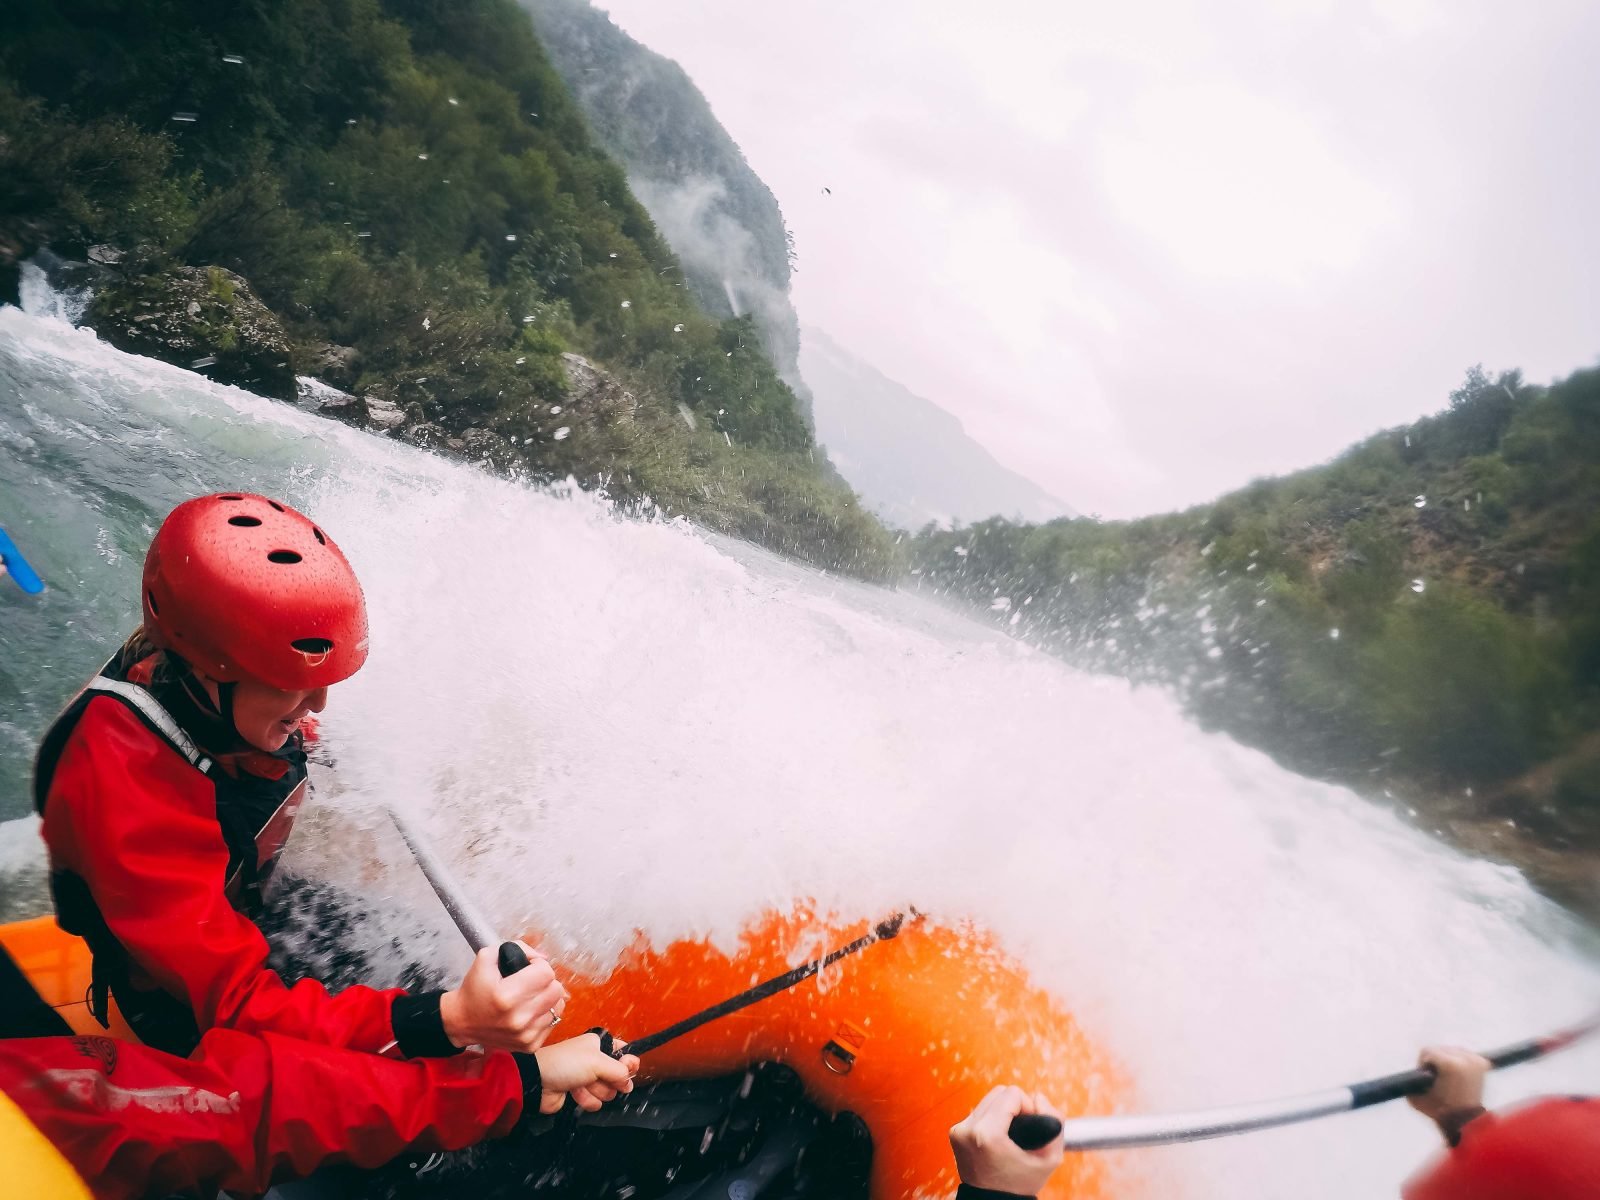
x=244, y=522
x=275, y=505
x=318, y=648
x=230, y=497
x=150, y=599
x=283, y=556
x=321, y=541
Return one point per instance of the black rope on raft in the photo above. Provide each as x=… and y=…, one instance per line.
x=881, y=932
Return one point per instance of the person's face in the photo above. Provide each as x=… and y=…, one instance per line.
x=265, y=717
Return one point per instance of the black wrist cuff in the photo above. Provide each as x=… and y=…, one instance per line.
x=967, y=1192
x=1452, y=1123
x=532, y=1082
x=419, y=1027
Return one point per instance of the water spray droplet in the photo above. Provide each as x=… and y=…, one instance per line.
x=677, y=329
x=561, y=434
x=1334, y=634
x=627, y=304
x=1418, y=586
x=1420, y=502
x=235, y=59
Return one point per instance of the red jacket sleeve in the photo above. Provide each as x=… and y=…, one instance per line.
x=245, y=1111
x=138, y=824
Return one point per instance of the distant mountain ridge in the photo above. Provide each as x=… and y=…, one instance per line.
x=721, y=220
x=910, y=460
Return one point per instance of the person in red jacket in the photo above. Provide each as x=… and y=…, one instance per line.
x=168, y=788
x=132, y=1121
x=1545, y=1149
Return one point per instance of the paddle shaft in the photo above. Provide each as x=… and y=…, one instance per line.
x=1116, y=1133
x=478, y=932
x=512, y=958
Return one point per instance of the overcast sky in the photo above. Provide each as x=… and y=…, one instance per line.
x=1147, y=251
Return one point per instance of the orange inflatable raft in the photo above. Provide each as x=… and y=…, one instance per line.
x=908, y=1033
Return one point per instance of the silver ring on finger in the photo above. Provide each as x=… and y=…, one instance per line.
x=555, y=1018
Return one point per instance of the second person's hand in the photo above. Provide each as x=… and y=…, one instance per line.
x=579, y=1068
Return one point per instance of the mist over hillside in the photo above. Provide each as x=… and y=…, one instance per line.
x=909, y=460
x=912, y=461
x=719, y=217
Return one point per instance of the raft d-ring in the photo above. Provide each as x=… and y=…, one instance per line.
x=837, y=1059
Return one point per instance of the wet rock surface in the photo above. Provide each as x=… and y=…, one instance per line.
x=204, y=318
x=337, y=366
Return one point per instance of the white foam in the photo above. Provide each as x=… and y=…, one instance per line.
x=611, y=726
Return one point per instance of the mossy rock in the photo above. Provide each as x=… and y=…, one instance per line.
x=204, y=318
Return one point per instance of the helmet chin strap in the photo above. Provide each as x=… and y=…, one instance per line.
x=225, y=708
x=223, y=737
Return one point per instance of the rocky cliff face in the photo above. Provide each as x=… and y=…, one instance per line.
x=204, y=318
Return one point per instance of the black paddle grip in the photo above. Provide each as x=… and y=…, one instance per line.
x=1032, y=1130
x=1391, y=1087
x=512, y=958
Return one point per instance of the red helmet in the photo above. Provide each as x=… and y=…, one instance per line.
x=242, y=587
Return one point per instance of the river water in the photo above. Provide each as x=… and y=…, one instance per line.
x=611, y=725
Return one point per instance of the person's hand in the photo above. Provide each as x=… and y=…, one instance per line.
x=986, y=1157
x=1458, y=1087
x=578, y=1068
x=515, y=1012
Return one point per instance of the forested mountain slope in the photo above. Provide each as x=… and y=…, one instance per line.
x=410, y=180
x=715, y=211
x=1420, y=617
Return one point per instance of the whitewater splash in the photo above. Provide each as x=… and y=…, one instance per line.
x=610, y=725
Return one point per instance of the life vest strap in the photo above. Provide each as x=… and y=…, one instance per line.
x=153, y=712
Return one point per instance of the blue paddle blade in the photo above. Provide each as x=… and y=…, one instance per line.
x=17, y=567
